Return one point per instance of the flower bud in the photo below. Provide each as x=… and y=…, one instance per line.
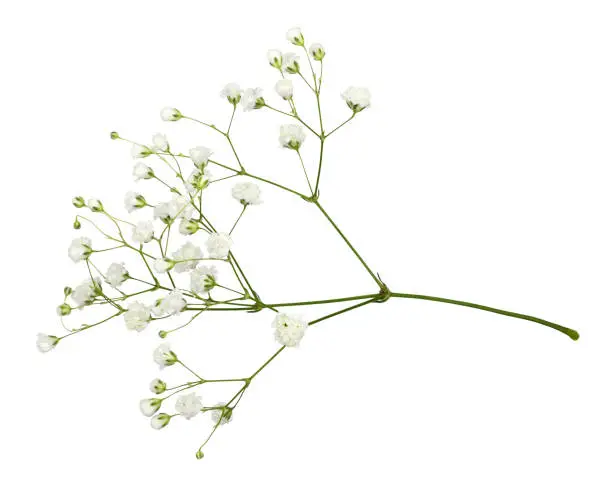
x=232, y=92
x=294, y=35
x=356, y=98
x=188, y=227
x=95, y=205
x=140, y=151
x=134, y=201
x=199, y=454
x=317, y=51
x=164, y=356
x=67, y=291
x=114, y=135
x=78, y=201
x=162, y=334
x=163, y=265
x=290, y=63
x=157, y=386
x=142, y=171
x=284, y=88
x=160, y=142
x=63, y=310
x=160, y=421
x=46, y=343
x=149, y=406
x=76, y=224
x=170, y=114
x=275, y=58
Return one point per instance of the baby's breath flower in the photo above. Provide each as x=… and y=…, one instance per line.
x=187, y=227
x=188, y=405
x=78, y=201
x=142, y=171
x=116, y=274
x=170, y=114
x=317, y=51
x=275, y=58
x=200, y=155
x=295, y=36
x=160, y=420
x=247, y=193
x=46, y=343
x=178, y=206
x=80, y=249
x=86, y=292
x=164, y=356
x=140, y=151
x=95, y=205
x=149, y=406
x=157, y=386
x=160, y=142
x=163, y=265
x=232, y=92
x=199, y=179
x=289, y=329
x=291, y=136
x=357, y=99
x=221, y=415
x=284, y=88
x=134, y=201
x=218, y=245
x=291, y=63
x=171, y=304
x=142, y=232
x=252, y=99
x=137, y=316
x=63, y=310
x=203, y=279
x=184, y=257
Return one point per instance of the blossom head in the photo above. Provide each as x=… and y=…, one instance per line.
x=284, y=88
x=116, y=274
x=356, y=98
x=45, y=343
x=275, y=58
x=291, y=63
x=149, y=406
x=232, y=92
x=295, y=36
x=178, y=206
x=221, y=415
x=164, y=356
x=160, y=142
x=78, y=201
x=187, y=227
x=80, y=249
x=203, y=279
x=170, y=114
x=142, y=232
x=171, y=304
x=95, y=205
x=199, y=179
x=142, y=171
x=137, y=316
x=317, y=52
x=133, y=201
x=140, y=151
x=85, y=293
x=188, y=405
x=289, y=329
x=218, y=245
x=247, y=193
x=186, y=257
x=163, y=265
x=63, y=310
x=200, y=155
x=160, y=421
x=291, y=136
x=252, y=99
x=157, y=386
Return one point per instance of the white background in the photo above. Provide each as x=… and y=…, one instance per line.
x=481, y=172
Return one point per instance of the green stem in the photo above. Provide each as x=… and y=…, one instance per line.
x=356, y=306
x=325, y=301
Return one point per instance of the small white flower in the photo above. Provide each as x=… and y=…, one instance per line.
x=160, y=420
x=164, y=356
x=199, y=179
x=163, y=265
x=275, y=58
x=140, y=151
x=178, y=206
x=142, y=232
x=200, y=155
x=133, y=201
x=137, y=316
x=291, y=63
x=221, y=415
x=80, y=249
x=142, y=171
x=95, y=205
x=203, y=279
x=291, y=136
x=232, y=92
x=170, y=114
x=46, y=343
x=295, y=36
x=187, y=227
x=160, y=142
x=184, y=257
x=85, y=293
x=188, y=405
x=289, y=329
x=317, y=51
x=284, y=88
x=149, y=406
x=218, y=245
x=247, y=193
x=252, y=99
x=157, y=386
x=116, y=274
x=171, y=304
x=357, y=99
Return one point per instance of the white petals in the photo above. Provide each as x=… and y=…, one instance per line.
x=142, y=232
x=184, y=255
x=160, y=420
x=171, y=304
x=142, y=171
x=221, y=415
x=85, y=293
x=95, y=205
x=232, y=92
x=284, y=88
x=218, y=245
x=200, y=155
x=203, y=279
x=252, y=99
x=157, y=386
x=356, y=98
x=80, y=249
x=164, y=356
x=137, y=316
x=289, y=329
x=160, y=142
x=275, y=58
x=247, y=193
x=133, y=201
x=178, y=206
x=116, y=274
x=140, y=151
x=317, y=51
x=291, y=136
x=149, y=406
x=295, y=36
x=291, y=63
x=163, y=265
x=170, y=114
x=189, y=405
x=46, y=343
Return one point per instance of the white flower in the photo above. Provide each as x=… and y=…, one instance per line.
x=137, y=316
x=200, y=155
x=149, y=406
x=142, y=171
x=142, y=232
x=188, y=405
x=171, y=304
x=232, y=92
x=140, y=151
x=291, y=136
x=116, y=274
x=187, y=227
x=163, y=265
x=78, y=201
x=199, y=179
x=295, y=36
x=85, y=293
x=289, y=329
x=157, y=386
x=160, y=420
x=357, y=99
x=184, y=255
x=203, y=279
x=46, y=343
x=164, y=356
x=317, y=51
x=284, y=88
x=218, y=245
x=160, y=142
x=275, y=58
x=170, y=114
x=134, y=201
x=95, y=205
x=247, y=193
x=252, y=99
x=178, y=206
x=221, y=415
x=291, y=62
x=80, y=249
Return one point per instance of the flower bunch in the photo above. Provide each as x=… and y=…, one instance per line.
x=184, y=265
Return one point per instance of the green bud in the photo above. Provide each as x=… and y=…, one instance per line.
x=162, y=334
x=114, y=135
x=63, y=310
x=78, y=201
x=67, y=291
x=76, y=224
x=199, y=454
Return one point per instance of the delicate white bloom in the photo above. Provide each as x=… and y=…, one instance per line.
x=232, y=92
x=157, y=386
x=178, y=206
x=78, y=201
x=291, y=136
x=357, y=99
x=200, y=155
x=291, y=62
x=252, y=99
x=171, y=304
x=188, y=405
x=134, y=201
x=170, y=114
x=317, y=51
x=203, y=279
x=184, y=257
x=142, y=171
x=160, y=142
x=164, y=356
x=137, y=316
x=46, y=343
x=140, y=151
x=142, y=232
x=295, y=36
x=275, y=58
x=289, y=329
x=95, y=205
x=85, y=293
x=187, y=227
x=247, y=193
x=199, y=179
x=160, y=420
x=284, y=88
x=218, y=245
x=149, y=406
x=80, y=249
x=163, y=265
x=116, y=274
x=222, y=415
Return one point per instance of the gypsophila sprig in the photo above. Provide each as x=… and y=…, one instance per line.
x=170, y=262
